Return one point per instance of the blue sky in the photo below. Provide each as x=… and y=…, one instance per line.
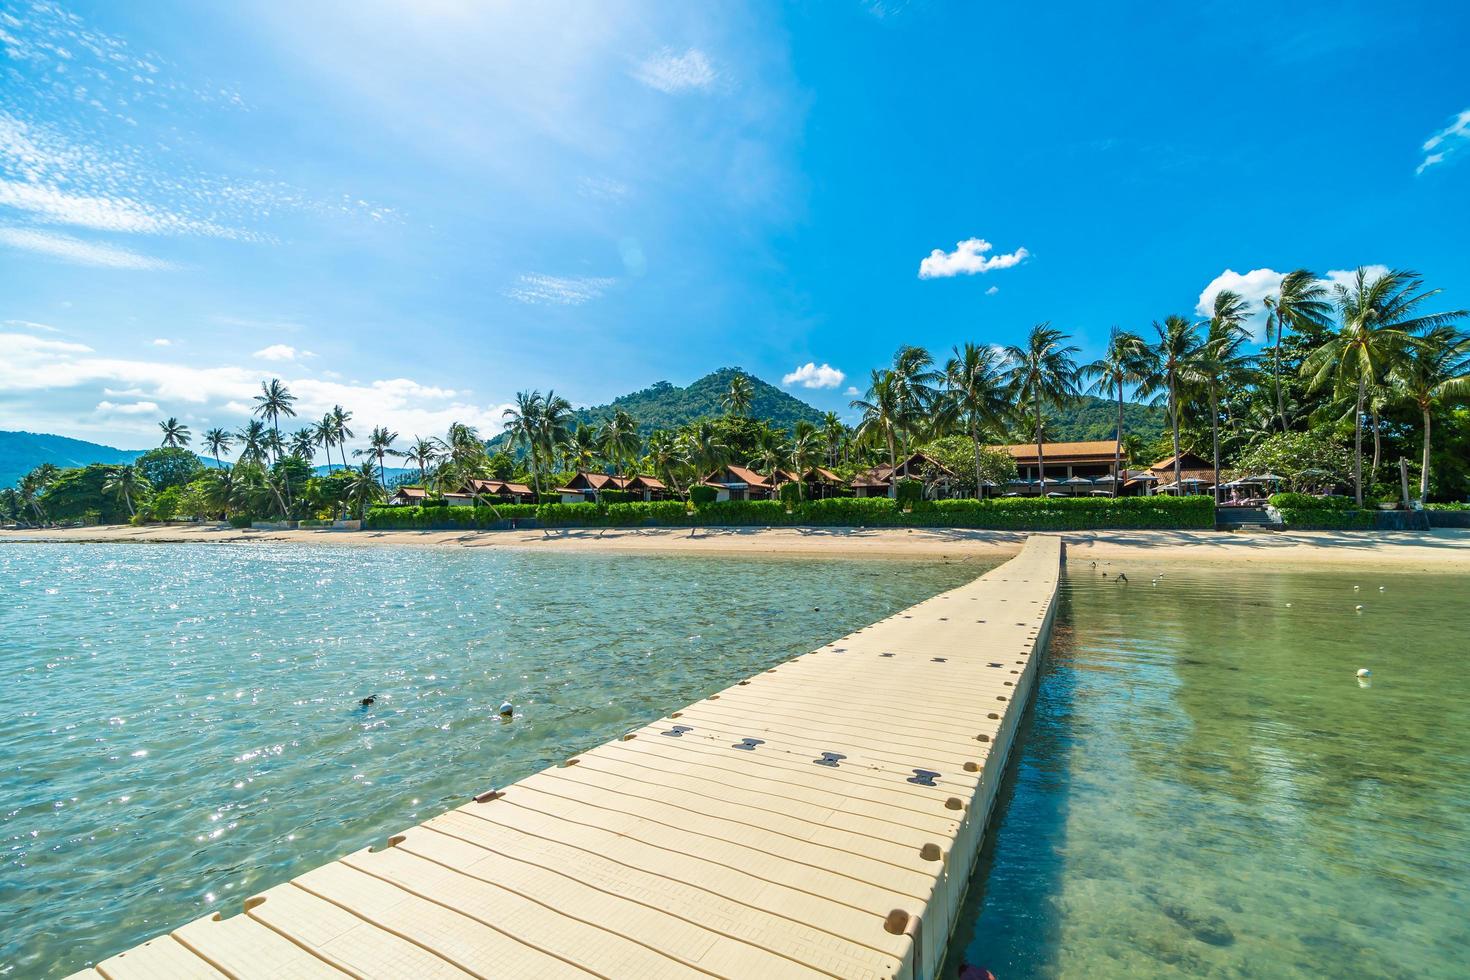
x=418, y=208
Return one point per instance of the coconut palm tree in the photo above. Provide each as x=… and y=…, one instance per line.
x=582, y=448
x=252, y=442
x=32, y=486
x=1301, y=301
x=364, y=486
x=770, y=452
x=882, y=409
x=916, y=381
x=619, y=440
x=976, y=392
x=303, y=445
x=1379, y=320
x=127, y=482
x=422, y=453
x=1436, y=369
x=834, y=434
x=1124, y=363
x=380, y=444
x=1174, y=362
x=523, y=421
x=555, y=426
x=175, y=433
x=806, y=448
x=1222, y=362
x=340, y=431
x=1042, y=372
x=324, y=432
x=274, y=401
x=705, y=449
x=738, y=396
x=218, y=441
x=664, y=456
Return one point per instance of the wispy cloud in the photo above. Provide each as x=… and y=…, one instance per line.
x=671, y=72
x=602, y=189
x=1439, y=147
x=32, y=325
x=127, y=408
x=75, y=250
x=810, y=375
x=968, y=258
x=538, y=289
x=162, y=342
x=281, y=352
x=992, y=290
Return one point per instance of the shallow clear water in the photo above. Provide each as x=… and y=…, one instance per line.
x=180, y=728
x=1204, y=789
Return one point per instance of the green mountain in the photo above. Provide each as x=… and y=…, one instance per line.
x=667, y=406
x=1097, y=418
x=21, y=452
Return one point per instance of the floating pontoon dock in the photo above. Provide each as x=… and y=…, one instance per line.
x=819, y=819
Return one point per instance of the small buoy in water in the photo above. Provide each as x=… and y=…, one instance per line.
x=1382, y=588
x=1364, y=672
x=1288, y=605
x=1358, y=608
x=507, y=709
x=368, y=700
x=1356, y=588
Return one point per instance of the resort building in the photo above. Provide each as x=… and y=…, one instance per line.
x=586, y=487
x=481, y=491
x=738, y=483
x=1196, y=473
x=880, y=480
x=817, y=483
x=408, y=496
x=1071, y=468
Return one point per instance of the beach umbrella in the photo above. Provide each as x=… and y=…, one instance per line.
x=1110, y=478
x=1076, y=481
x=1053, y=493
x=1267, y=477
x=1146, y=477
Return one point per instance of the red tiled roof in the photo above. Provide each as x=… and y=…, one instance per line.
x=1097, y=451
x=741, y=475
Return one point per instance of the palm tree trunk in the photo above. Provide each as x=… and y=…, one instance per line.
x=1040, y=453
x=382, y=475
x=1424, y=470
x=1215, y=436
x=1174, y=424
x=1276, y=378
x=975, y=437
x=1377, y=443
x=1118, y=449
x=1358, y=442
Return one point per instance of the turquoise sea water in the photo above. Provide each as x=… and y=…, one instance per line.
x=180, y=727
x=1204, y=789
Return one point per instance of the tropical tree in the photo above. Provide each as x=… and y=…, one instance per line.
x=1301, y=301
x=664, y=456
x=175, y=433
x=770, y=452
x=1042, y=372
x=834, y=434
x=274, y=401
x=324, y=432
x=882, y=409
x=127, y=482
x=523, y=422
x=303, y=444
x=1222, y=361
x=1435, y=370
x=582, y=448
x=619, y=440
x=1379, y=318
x=806, y=448
x=975, y=387
x=705, y=448
x=363, y=487
x=340, y=430
x=380, y=444
x=738, y=396
x=252, y=442
x=218, y=441
x=1124, y=363
x=1173, y=366
x=916, y=382
x=422, y=453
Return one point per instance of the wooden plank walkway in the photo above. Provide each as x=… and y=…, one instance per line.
x=819, y=819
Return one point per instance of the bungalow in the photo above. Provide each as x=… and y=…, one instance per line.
x=1195, y=472
x=408, y=496
x=879, y=481
x=738, y=483
x=585, y=486
x=819, y=483
x=1069, y=466
x=647, y=487
x=474, y=491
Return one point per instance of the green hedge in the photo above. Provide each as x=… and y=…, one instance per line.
x=1306, y=512
x=1010, y=513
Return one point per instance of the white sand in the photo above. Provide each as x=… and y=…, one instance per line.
x=1440, y=550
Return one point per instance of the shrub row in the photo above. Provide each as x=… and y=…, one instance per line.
x=1308, y=513
x=1012, y=514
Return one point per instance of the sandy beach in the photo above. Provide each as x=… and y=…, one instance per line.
x=1438, y=551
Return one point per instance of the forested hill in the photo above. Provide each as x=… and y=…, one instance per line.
x=21, y=452
x=1097, y=418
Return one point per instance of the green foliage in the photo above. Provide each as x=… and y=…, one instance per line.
x=1015, y=513
x=702, y=495
x=167, y=467
x=958, y=454
x=1295, y=454
x=1090, y=418
x=76, y=492
x=909, y=493
x=240, y=521
x=1305, y=512
x=161, y=506
x=790, y=493
x=1456, y=505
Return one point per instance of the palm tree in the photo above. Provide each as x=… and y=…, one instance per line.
x=834, y=433
x=1174, y=363
x=1042, y=373
x=363, y=487
x=324, y=432
x=32, y=486
x=582, y=448
x=1300, y=301
x=218, y=441
x=1124, y=363
x=555, y=426
x=523, y=421
x=915, y=380
x=422, y=453
x=619, y=439
x=175, y=433
x=128, y=482
x=882, y=409
x=1436, y=368
x=1222, y=362
x=380, y=444
x=340, y=432
x=252, y=442
x=770, y=451
x=705, y=449
x=806, y=448
x=303, y=444
x=1379, y=320
x=274, y=401
x=738, y=395
x=975, y=382
x=664, y=455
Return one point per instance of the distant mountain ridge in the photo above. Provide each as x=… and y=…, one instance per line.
x=1093, y=418
x=21, y=452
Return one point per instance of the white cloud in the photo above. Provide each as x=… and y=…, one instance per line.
x=1442, y=144
x=967, y=259
x=130, y=408
x=558, y=290
x=280, y=352
x=1346, y=277
x=1253, y=287
x=162, y=342
x=602, y=188
x=75, y=250
x=992, y=290
x=32, y=325
x=851, y=390
x=670, y=72
x=809, y=375
x=55, y=385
